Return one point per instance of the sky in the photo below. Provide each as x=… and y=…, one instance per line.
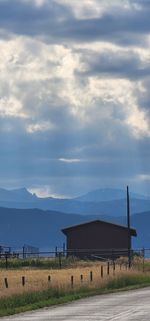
x=74, y=95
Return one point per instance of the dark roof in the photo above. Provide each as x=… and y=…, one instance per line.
x=69, y=228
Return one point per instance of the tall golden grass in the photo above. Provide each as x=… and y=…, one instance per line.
x=36, y=279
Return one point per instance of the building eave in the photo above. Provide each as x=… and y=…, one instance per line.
x=73, y=227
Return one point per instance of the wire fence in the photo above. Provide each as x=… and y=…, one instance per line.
x=61, y=258
x=96, y=274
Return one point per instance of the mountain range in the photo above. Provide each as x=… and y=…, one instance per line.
x=111, y=202
x=43, y=228
x=108, y=194
x=27, y=218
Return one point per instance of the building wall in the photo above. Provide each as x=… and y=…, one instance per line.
x=97, y=236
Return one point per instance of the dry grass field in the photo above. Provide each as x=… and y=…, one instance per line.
x=37, y=279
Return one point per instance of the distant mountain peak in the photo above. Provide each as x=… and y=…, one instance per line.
x=21, y=190
x=107, y=194
x=17, y=195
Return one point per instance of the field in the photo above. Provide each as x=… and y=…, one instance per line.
x=83, y=274
x=30, y=288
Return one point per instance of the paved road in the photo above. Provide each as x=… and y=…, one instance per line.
x=125, y=306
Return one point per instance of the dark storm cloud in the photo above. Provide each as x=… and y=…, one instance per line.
x=95, y=132
x=27, y=19
x=54, y=21
x=34, y=158
x=39, y=153
x=107, y=63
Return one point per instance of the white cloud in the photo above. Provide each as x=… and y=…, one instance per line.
x=84, y=9
x=45, y=191
x=38, y=3
x=37, y=75
x=39, y=127
x=89, y=9
x=10, y=106
x=143, y=177
x=69, y=160
x=138, y=122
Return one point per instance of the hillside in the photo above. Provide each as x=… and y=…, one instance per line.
x=34, y=226
x=43, y=228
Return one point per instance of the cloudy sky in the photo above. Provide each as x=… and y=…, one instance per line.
x=74, y=95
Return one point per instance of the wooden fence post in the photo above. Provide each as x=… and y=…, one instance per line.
x=23, y=252
x=143, y=263
x=64, y=248
x=91, y=276
x=6, y=261
x=108, y=268
x=81, y=278
x=72, y=281
x=114, y=267
x=60, y=263
x=101, y=271
x=6, y=283
x=55, y=251
x=23, y=280
x=49, y=278
x=112, y=253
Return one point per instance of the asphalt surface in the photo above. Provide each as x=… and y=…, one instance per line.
x=123, y=306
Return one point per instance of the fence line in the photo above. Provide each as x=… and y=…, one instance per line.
x=62, y=257
x=73, y=280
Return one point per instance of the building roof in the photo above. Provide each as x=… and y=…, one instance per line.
x=74, y=227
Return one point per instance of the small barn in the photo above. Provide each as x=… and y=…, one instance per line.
x=98, y=239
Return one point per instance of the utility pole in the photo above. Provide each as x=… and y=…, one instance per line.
x=128, y=225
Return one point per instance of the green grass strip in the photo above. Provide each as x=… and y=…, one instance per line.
x=36, y=300
x=42, y=263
